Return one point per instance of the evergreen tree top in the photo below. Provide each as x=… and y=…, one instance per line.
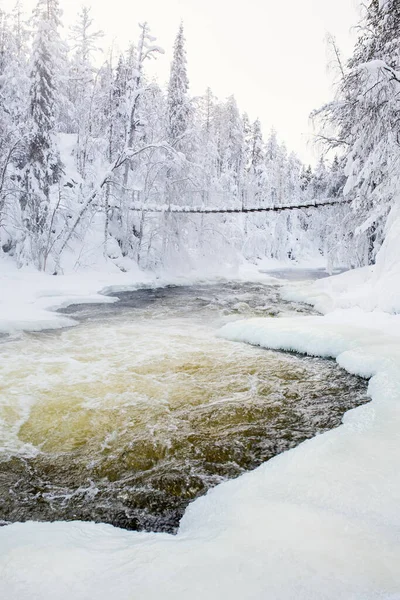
x=48, y=10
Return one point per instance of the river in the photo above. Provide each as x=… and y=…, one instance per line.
x=138, y=410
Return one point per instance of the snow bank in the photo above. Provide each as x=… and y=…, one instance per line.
x=371, y=288
x=319, y=522
x=28, y=298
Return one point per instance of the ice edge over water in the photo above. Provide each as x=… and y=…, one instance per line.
x=320, y=521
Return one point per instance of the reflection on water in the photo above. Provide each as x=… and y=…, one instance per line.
x=127, y=418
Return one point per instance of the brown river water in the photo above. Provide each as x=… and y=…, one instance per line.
x=138, y=410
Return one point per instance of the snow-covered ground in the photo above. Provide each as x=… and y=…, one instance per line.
x=319, y=522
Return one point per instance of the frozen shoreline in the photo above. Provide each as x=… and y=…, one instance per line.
x=318, y=522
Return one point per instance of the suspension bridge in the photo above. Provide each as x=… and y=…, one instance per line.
x=172, y=208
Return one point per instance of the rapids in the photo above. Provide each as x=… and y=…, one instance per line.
x=140, y=409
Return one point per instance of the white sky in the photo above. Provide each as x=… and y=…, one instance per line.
x=271, y=55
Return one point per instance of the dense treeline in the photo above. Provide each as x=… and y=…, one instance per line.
x=82, y=145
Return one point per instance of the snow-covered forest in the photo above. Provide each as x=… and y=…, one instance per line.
x=88, y=139
x=191, y=424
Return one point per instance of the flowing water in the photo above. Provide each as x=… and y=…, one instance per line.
x=140, y=409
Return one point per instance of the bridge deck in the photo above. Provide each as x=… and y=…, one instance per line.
x=204, y=210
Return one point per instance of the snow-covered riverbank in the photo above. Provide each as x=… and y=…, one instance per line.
x=29, y=299
x=320, y=521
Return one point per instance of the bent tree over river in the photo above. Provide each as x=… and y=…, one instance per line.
x=140, y=409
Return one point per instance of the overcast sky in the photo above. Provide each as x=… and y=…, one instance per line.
x=272, y=55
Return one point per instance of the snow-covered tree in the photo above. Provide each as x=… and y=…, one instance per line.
x=43, y=166
x=362, y=122
x=257, y=167
x=178, y=101
x=82, y=84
